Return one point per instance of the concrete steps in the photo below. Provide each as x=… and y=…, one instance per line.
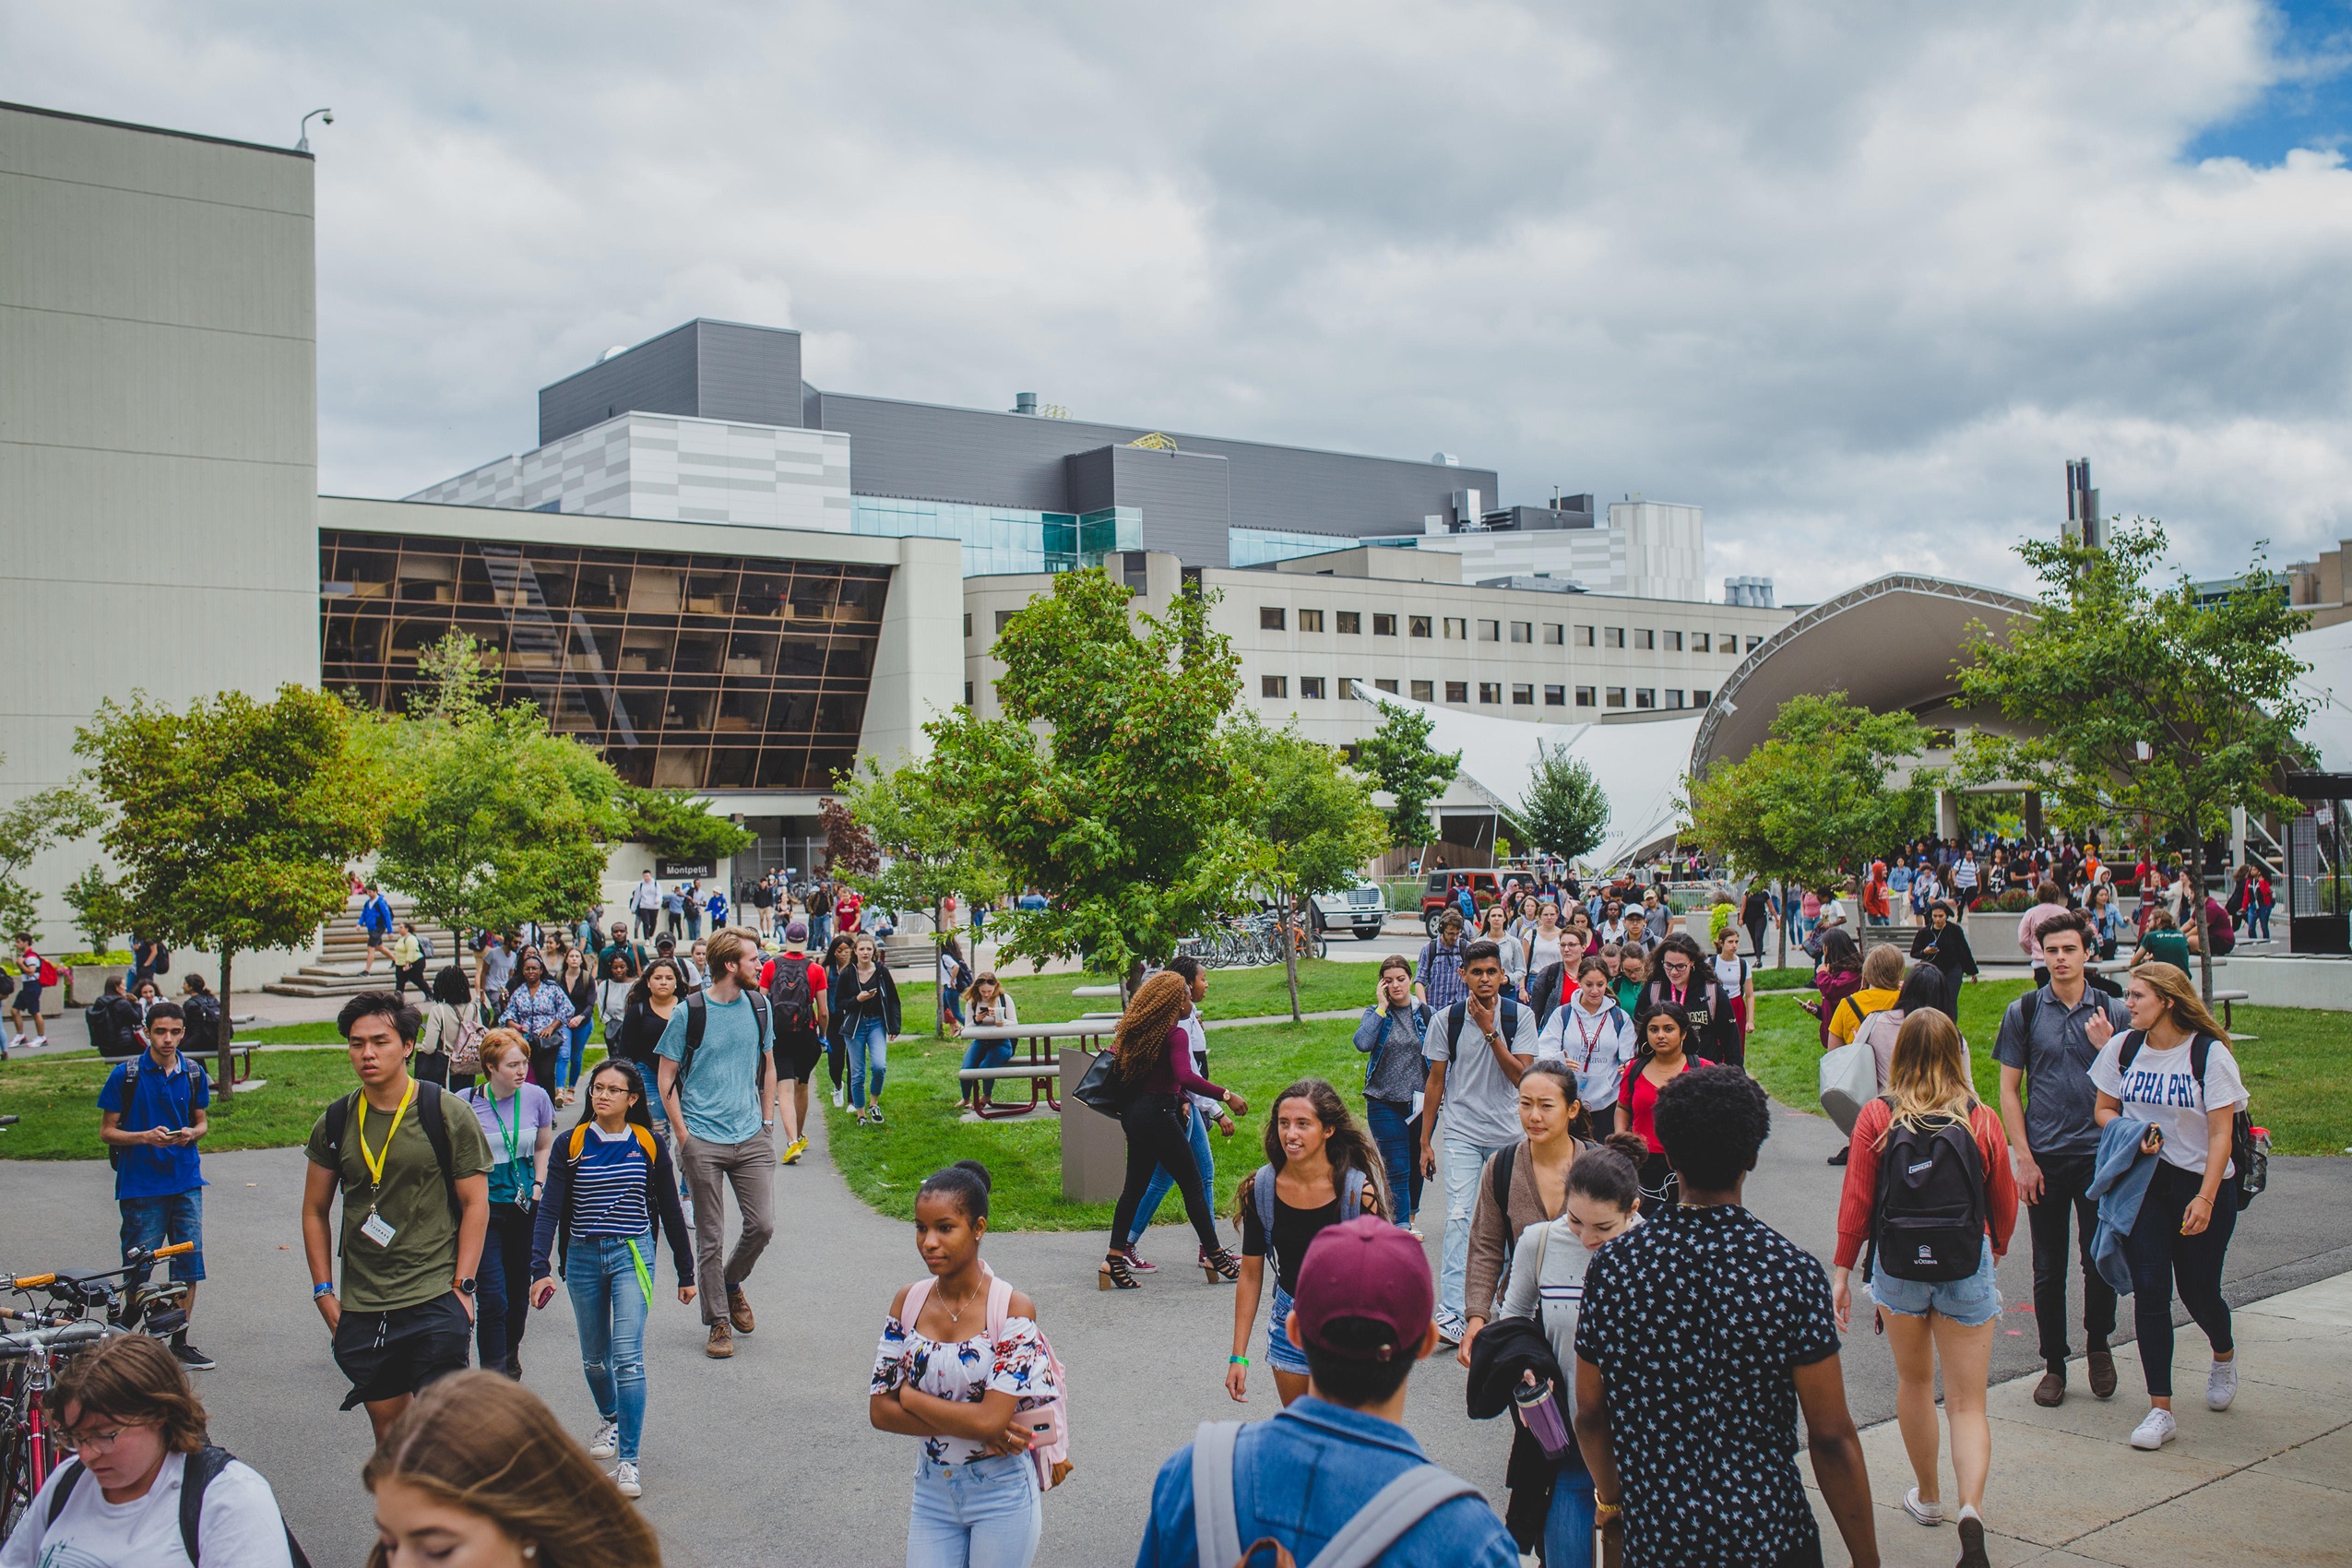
x=343, y=952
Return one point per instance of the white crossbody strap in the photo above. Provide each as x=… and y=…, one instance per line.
x=1216, y=1532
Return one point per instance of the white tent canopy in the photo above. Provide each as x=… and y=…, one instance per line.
x=1638, y=766
x=2328, y=688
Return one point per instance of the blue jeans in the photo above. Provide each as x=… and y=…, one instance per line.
x=1388, y=1118
x=869, y=1047
x=820, y=932
x=2258, y=916
x=573, y=1054
x=1162, y=1182
x=985, y=1053
x=983, y=1515
x=1463, y=1161
x=148, y=1223
x=610, y=1307
x=1568, y=1528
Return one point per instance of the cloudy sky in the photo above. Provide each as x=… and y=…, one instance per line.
x=1857, y=277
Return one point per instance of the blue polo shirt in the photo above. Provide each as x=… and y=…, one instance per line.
x=1301, y=1476
x=158, y=1099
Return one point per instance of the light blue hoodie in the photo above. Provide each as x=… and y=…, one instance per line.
x=2118, y=1181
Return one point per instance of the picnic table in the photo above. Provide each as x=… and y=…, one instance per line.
x=1036, y=1058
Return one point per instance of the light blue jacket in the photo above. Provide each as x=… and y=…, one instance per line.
x=2118, y=1181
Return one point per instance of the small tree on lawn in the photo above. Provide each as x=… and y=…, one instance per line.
x=921, y=861
x=1401, y=761
x=1816, y=797
x=2141, y=701
x=1316, y=819
x=101, y=912
x=850, y=848
x=680, y=825
x=28, y=826
x=233, y=821
x=1564, y=811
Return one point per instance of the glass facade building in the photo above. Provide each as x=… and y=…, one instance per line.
x=693, y=672
x=1256, y=547
x=999, y=539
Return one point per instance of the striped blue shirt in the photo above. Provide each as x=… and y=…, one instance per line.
x=609, y=1186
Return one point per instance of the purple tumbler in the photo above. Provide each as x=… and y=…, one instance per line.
x=1539, y=1412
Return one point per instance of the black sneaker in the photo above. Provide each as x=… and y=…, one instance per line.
x=190, y=1357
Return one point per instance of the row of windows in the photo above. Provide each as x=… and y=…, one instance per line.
x=1276, y=618
x=1523, y=693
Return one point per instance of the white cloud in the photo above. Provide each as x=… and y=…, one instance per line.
x=1855, y=277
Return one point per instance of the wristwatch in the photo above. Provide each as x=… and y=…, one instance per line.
x=466, y=1286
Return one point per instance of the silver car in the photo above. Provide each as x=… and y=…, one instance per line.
x=1360, y=910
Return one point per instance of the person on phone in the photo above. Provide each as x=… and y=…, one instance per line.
x=519, y=1120
x=152, y=1111
x=971, y=1389
x=1389, y=1034
x=604, y=1192
x=869, y=1002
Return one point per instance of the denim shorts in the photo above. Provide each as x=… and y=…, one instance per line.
x=1280, y=1354
x=150, y=1222
x=1968, y=1303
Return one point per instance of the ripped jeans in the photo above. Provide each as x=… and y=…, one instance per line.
x=609, y=1304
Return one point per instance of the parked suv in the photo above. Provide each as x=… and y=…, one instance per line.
x=1438, y=889
x=1359, y=909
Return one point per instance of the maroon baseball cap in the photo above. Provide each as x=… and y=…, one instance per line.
x=1371, y=1269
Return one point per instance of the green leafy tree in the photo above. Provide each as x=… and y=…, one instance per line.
x=1817, y=796
x=494, y=820
x=1316, y=817
x=233, y=821
x=919, y=861
x=1110, y=784
x=28, y=825
x=100, y=913
x=1402, y=762
x=1564, y=810
x=680, y=825
x=2136, y=701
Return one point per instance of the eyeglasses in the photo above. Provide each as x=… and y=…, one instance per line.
x=100, y=1441
x=621, y=1089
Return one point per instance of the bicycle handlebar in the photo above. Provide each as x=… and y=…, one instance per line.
x=138, y=1260
x=38, y=1341
x=174, y=1250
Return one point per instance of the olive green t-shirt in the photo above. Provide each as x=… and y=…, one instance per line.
x=421, y=1262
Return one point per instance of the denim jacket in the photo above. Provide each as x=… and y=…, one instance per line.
x=1379, y=1036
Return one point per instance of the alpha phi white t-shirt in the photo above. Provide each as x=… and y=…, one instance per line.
x=240, y=1525
x=2161, y=1089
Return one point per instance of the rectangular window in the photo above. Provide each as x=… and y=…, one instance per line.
x=967, y=685
x=1274, y=685
x=967, y=622
x=1422, y=692
x=1458, y=691
x=1616, y=696
x=1644, y=696
x=1555, y=697
x=1700, y=699
x=1489, y=691
x=1523, y=696
x=1700, y=643
x=1522, y=631
x=1673, y=698
x=1310, y=620
x=1389, y=687
x=1554, y=636
x=1644, y=637
x=1754, y=643
x=1310, y=686
x=1001, y=617
x=1457, y=629
x=1351, y=623
x=1270, y=617
x=1583, y=636
x=1416, y=625
x=1616, y=637
x=1384, y=624
x=1490, y=630
x=1583, y=697
x=1673, y=641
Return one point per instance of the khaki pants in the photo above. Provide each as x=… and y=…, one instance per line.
x=750, y=1168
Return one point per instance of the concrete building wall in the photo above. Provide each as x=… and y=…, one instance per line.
x=1665, y=548
x=717, y=370
x=158, y=433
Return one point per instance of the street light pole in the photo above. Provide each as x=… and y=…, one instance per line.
x=328, y=115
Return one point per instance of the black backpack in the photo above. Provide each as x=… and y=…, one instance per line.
x=788, y=993
x=130, y=1093
x=204, y=1467
x=2248, y=1151
x=1928, y=1221
x=699, y=1018
x=429, y=1116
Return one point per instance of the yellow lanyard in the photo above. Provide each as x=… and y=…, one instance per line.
x=376, y=1163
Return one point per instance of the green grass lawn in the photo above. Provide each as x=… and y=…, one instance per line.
x=57, y=1102
x=884, y=1165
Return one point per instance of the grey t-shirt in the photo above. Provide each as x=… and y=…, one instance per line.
x=1481, y=1103
x=2056, y=1063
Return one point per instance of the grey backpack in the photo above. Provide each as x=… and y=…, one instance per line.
x=1378, y=1524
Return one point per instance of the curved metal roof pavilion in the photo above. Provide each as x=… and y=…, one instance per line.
x=1890, y=644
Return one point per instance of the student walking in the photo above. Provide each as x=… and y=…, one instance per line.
x=35, y=975
x=612, y=997
x=1945, y=943
x=1521, y=1186
x=1735, y=977
x=1930, y=1175
x=152, y=1113
x=1474, y=1086
x=1685, y=980
x=1199, y=1111
x=1596, y=1037
x=408, y=957
x=653, y=999
x=579, y=987
x=415, y=1185
x=1321, y=1170
x=963, y=1365
x=539, y=1010
x=605, y=1190
x=1390, y=1034
x=1153, y=1061
x=2175, y=1074
x=376, y=925
x=869, y=1002
x=518, y=1121
x=2049, y=1040
x=955, y=979
x=1361, y=1318
x=1494, y=925
x=480, y=1470
x=1438, y=980
x=840, y=964
x=795, y=987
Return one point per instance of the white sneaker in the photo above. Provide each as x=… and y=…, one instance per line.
x=2221, y=1385
x=841, y=1098
x=607, y=1442
x=1924, y=1513
x=2156, y=1428
x=625, y=1479
x=40, y=1040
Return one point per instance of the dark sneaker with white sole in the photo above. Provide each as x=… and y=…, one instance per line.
x=190, y=1357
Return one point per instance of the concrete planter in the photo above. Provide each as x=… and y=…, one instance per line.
x=90, y=981
x=1992, y=935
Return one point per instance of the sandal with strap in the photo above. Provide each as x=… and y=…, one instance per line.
x=1220, y=1268
x=1115, y=1275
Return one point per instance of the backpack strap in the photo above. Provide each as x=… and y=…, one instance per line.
x=579, y=1139
x=1000, y=1306
x=1351, y=1194
x=69, y=1475
x=917, y=1294
x=436, y=1133
x=644, y=1142
x=1262, y=1199
x=1216, y=1527
x=1395, y=1509
x=204, y=1467
x=1499, y=1181
x=2130, y=1048
x=697, y=1019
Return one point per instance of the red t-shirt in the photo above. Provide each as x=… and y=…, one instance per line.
x=817, y=975
x=1639, y=1097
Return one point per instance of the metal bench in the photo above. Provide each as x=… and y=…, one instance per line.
x=1036, y=1058
x=2226, y=998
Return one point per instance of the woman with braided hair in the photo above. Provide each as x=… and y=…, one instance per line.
x=1154, y=1063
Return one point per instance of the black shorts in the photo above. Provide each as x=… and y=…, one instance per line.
x=797, y=1053
x=388, y=1354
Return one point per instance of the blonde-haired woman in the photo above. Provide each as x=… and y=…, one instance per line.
x=2152, y=1074
x=1154, y=1060
x=1927, y=1323
x=479, y=1471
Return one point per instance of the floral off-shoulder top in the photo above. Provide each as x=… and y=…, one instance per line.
x=966, y=1371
